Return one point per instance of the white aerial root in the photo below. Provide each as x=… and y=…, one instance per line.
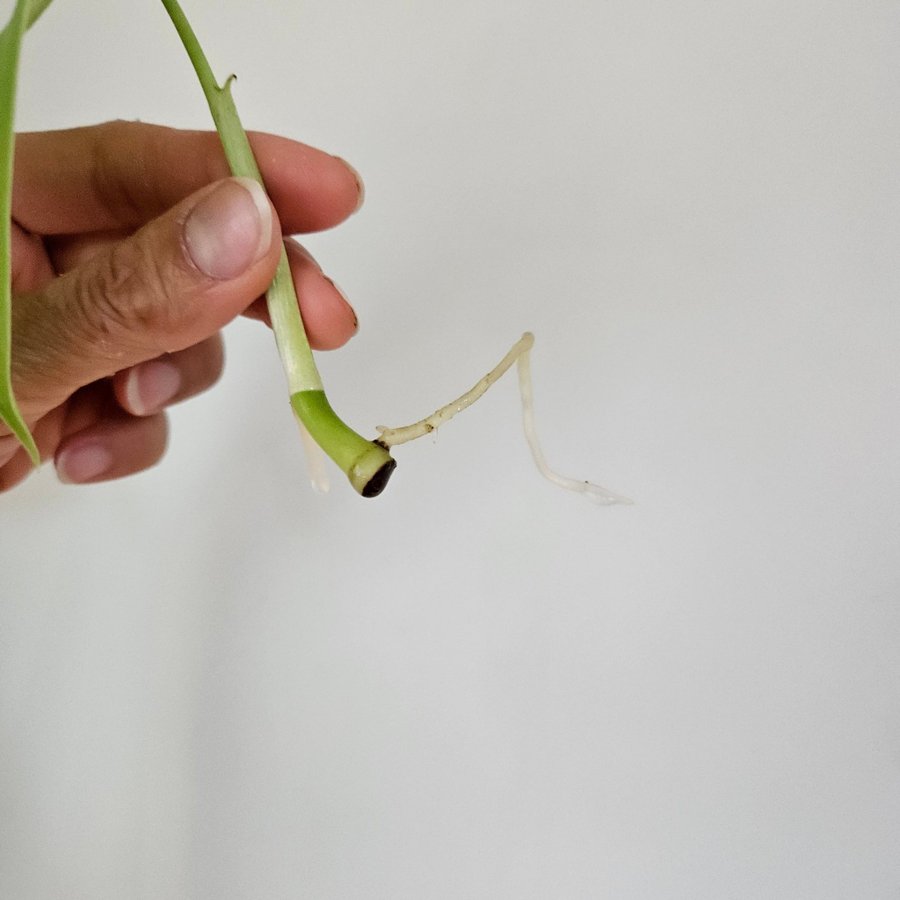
x=315, y=461
x=520, y=353
x=592, y=491
x=392, y=436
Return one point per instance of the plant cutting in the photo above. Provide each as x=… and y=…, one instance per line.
x=367, y=463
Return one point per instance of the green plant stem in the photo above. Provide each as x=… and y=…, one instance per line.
x=10, y=42
x=36, y=9
x=366, y=463
x=290, y=334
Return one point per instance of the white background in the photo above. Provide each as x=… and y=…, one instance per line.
x=216, y=684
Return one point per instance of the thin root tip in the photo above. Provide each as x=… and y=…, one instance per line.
x=603, y=497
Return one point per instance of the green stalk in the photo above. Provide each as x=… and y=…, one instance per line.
x=366, y=463
x=35, y=9
x=10, y=42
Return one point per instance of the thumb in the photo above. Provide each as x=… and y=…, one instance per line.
x=170, y=285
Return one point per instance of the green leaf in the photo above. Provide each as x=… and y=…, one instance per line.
x=10, y=41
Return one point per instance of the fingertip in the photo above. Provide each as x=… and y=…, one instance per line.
x=146, y=388
x=150, y=387
x=82, y=461
x=312, y=189
x=112, y=448
x=360, y=184
x=328, y=316
x=349, y=320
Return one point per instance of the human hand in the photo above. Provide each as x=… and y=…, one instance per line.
x=130, y=253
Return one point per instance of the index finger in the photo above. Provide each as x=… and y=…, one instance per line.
x=123, y=174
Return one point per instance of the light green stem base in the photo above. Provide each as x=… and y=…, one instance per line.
x=367, y=464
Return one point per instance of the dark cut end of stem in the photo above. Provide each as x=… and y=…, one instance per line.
x=378, y=482
x=366, y=463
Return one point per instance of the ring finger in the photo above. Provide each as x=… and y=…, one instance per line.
x=147, y=388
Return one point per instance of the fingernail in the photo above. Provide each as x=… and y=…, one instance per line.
x=151, y=385
x=82, y=462
x=229, y=229
x=360, y=186
x=347, y=303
